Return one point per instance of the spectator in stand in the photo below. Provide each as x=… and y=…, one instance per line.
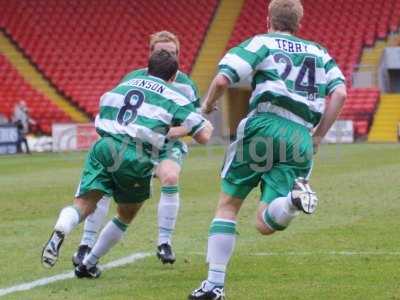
x=22, y=120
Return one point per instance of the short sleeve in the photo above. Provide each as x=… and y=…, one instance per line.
x=192, y=121
x=241, y=61
x=334, y=76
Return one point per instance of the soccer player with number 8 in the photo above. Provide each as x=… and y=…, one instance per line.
x=134, y=122
x=169, y=166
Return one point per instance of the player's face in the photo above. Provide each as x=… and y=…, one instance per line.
x=167, y=46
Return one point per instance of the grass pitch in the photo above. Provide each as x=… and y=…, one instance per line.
x=350, y=249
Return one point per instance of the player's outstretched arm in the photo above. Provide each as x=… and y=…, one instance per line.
x=177, y=132
x=332, y=111
x=204, y=134
x=181, y=131
x=217, y=88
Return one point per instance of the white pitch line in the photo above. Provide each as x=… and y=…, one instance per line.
x=138, y=256
x=47, y=280
x=329, y=253
x=316, y=253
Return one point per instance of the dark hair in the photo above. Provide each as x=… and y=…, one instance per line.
x=163, y=64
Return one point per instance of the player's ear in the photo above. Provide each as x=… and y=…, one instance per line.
x=269, y=25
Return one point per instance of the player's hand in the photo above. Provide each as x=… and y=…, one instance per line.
x=207, y=108
x=316, y=142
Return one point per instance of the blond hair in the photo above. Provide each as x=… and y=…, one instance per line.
x=164, y=37
x=285, y=15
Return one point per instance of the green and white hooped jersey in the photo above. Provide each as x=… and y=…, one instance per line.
x=144, y=108
x=182, y=83
x=290, y=77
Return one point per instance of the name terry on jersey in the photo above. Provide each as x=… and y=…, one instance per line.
x=146, y=84
x=290, y=46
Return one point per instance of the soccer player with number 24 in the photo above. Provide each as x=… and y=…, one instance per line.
x=291, y=78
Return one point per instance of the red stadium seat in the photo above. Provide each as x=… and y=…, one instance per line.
x=105, y=41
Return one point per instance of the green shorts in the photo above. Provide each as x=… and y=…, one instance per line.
x=175, y=150
x=117, y=170
x=270, y=151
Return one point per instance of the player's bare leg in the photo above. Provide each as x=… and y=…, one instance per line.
x=68, y=219
x=108, y=238
x=221, y=243
x=281, y=211
x=276, y=216
x=168, y=172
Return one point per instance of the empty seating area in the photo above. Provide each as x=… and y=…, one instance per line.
x=85, y=47
x=342, y=26
x=360, y=107
x=14, y=88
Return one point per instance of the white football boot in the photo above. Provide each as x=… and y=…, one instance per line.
x=303, y=197
x=51, y=249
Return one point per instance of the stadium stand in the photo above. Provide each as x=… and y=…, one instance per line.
x=344, y=27
x=83, y=48
x=360, y=107
x=14, y=88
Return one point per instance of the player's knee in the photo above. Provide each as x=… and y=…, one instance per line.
x=168, y=172
x=263, y=228
x=126, y=216
x=87, y=210
x=127, y=212
x=228, y=207
x=87, y=203
x=228, y=214
x=169, y=178
x=85, y=207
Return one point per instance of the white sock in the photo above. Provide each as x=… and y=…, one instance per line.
x=280, y=213
x=68, y=219
x=168, y=208
x=221, y=243
x=95, y=221
x=108, y=238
